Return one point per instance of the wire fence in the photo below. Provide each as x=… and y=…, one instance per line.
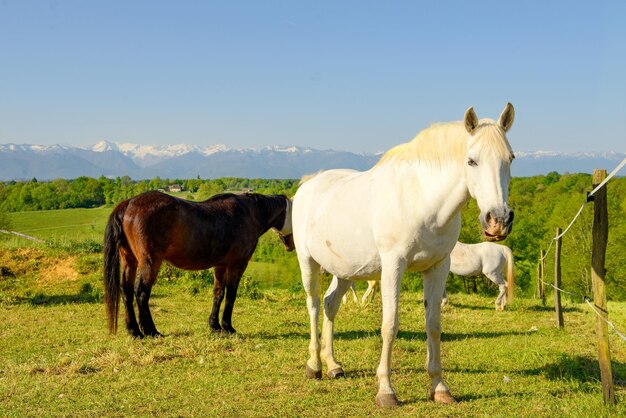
x=585, y=298
x=589, y=199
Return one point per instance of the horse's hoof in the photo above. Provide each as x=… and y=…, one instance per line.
x=387, y=400
x=443, y=396
x=312, y=374
x=136, y=334
x=228, y=328
x=336, y=373
x=154, y=334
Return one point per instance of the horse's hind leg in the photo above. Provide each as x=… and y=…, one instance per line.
x=129, y=272
x=332, y=301
x=353, y=289
x=310, y=282
x=233, y=276
x=146, y=277
x=219, y=274
x=501, y=299
x=370, y=293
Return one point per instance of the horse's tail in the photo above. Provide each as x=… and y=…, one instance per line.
x=114, y=237
x=510, y=273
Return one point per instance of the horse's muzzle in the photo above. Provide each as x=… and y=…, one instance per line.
x=288, y=242
x=498, y=225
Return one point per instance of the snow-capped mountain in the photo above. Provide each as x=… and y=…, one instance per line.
x=24, y=161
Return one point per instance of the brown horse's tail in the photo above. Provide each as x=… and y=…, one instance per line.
x=510, y=273
x=113, y=239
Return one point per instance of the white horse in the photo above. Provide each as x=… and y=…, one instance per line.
x=487, y=258
x=404, y=213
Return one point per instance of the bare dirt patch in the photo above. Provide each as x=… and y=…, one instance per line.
x=60, y=270
x=33, y=262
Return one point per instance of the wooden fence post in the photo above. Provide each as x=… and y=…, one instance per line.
x=538, y=289
x=542, y=276
x=600, y=232
x=557, y=281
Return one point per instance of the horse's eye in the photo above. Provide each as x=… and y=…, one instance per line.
x=471, y=162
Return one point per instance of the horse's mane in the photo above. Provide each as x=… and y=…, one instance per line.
x=267, y=206
x=307, y=177
x=446, y=142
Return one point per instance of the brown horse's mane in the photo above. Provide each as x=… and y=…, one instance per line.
x=267, y=205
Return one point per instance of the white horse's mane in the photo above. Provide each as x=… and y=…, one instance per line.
x=308, y=177
x=446, y=142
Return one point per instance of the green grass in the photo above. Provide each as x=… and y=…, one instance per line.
x=71, y=224
x=56, y=358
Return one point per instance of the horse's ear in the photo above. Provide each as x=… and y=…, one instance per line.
x=471, y=120
x=507, y=117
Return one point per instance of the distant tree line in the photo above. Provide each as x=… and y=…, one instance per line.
x=541, y=204
x=87, y=192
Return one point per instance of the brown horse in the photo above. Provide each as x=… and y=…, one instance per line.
x=221, y=232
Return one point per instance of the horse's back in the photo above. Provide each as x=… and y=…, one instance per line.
x=190, y=235
x=150, y=216
x=465, y=260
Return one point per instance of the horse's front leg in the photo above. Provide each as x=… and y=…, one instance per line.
x=219, y=274
x=332, y=301
x=233, y=276
x=434, y=286
x=390, y=281
x=310, y=271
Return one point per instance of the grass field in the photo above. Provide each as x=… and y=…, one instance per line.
x=77, y=224
x=57, y=358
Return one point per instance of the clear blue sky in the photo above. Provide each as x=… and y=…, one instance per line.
x=359, y=75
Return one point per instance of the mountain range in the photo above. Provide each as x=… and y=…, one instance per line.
x=24, y=161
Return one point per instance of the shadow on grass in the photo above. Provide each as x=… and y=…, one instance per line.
x=87, y=294
x=569, y=368
x=402, y=335
x=460, y=398
x=540, y=308
x=470, y=307
x=580, y=368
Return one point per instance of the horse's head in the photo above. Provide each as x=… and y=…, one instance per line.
x=488, y=171
x=283, y=227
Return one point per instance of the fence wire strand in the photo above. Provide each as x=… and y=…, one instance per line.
x=598, y=187
x=582, y=297
x=586, y=299
x=558, y=236
x=594, y=309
